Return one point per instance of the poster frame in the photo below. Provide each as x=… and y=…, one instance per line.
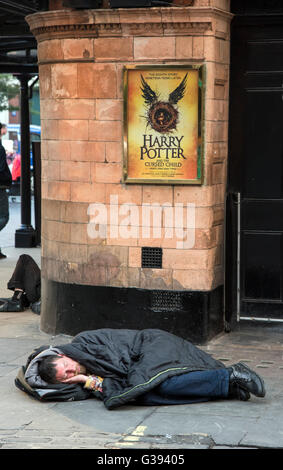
x=201, y=124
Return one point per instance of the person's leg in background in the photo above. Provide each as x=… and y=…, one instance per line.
x=26, y=284
x=4, y=213
x=27, y=278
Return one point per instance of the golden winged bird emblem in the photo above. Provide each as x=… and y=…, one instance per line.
x=162, y=116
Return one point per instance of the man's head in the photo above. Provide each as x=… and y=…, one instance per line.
x=56, y=369
x=3, y=129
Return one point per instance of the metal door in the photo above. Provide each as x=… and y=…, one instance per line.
x=254, y=249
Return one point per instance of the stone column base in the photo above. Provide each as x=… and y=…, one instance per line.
x=72, y=308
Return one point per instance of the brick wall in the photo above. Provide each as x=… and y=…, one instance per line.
x=81, y=56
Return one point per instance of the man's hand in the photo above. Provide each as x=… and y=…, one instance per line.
x=80, y=378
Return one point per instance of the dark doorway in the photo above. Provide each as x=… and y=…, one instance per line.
x=254, y=234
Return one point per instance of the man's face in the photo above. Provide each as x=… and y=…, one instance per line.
x=3, y=130
x=67, y=368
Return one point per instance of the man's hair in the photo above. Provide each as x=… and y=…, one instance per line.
x=2, y=125
x=47, y=369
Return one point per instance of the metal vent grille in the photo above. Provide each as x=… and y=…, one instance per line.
x=166, y=301
x=151, y=257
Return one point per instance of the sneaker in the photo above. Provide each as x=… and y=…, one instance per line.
x=16, y=304
x=35, y=307
x=2, y=256
x=9, y=305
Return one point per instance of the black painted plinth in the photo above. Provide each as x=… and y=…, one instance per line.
x=25, y=238
x=71, y=308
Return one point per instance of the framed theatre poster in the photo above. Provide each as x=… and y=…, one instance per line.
x=163, y=124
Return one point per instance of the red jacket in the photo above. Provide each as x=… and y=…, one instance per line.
x=16, y=168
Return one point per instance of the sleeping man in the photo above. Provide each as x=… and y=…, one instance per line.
x=144, y=367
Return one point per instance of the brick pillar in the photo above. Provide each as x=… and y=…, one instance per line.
x=99, y=282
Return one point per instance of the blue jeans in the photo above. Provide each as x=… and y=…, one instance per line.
x=191, y=387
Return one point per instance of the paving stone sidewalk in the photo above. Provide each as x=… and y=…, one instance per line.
x=27, y=424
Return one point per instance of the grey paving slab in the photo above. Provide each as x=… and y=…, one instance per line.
x=230, y=408
x=221, y=429
x=264, y=433
x=16, y=409
x=18, y=348
x=93, y=414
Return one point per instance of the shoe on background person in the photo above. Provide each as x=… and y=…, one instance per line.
x=35, y=307
x=17, y=303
